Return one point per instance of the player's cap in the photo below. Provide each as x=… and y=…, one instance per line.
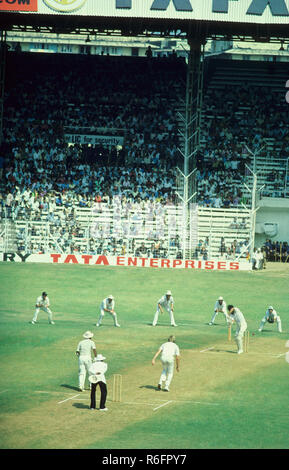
x=220, y=298
x=99, y=357
x=110, y=297
x=88, y=334
x=270, y=307
x=168, y=292
x=44, y=293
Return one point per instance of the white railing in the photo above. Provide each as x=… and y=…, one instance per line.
x=103, y=231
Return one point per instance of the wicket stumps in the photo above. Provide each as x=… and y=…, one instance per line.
x=117, y=387
x=246, y=340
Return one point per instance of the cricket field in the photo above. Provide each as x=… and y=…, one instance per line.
x=218, y=400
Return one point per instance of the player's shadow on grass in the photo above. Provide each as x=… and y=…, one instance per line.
x=150, y=387
x=81, y=406
x=229, y=351
x=72, y=387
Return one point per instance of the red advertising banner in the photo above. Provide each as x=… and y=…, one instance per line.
x=18, y=5
x=129, y=261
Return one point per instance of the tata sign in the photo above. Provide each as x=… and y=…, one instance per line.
x=241, y=11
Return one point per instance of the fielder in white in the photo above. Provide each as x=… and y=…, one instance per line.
x=220, y=306
x=84, y=350
x=165, y=302
x=169, y=351
x=107, y=305
x=271, y=316
x=236, y=316
x=42, y=303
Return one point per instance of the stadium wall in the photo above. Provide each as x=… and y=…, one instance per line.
x=272, y=220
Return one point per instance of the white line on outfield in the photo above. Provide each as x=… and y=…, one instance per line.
x=164, y=404
x=3, y=391
x=207, y=349
x=255, y=353
x=70, y=398
x=137, y=403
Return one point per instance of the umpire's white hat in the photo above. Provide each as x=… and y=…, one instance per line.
x=168, y=292
x=99, y=357
x=110, y=297
x=220, y=298
x=88, y=334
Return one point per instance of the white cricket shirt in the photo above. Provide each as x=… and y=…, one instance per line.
x=98, y=368
x=169, y=351
x=85, y=347
x=164, y=302
x=106, y=304
x=42, y=302
x=238, y=317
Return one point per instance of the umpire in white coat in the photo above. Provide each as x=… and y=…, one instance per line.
x=271, y=316
x=236, y=316
x=165, y=302
x=169, y=352
x=97, y=376
x=84, y=350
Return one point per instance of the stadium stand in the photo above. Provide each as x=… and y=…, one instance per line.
x=90, y=198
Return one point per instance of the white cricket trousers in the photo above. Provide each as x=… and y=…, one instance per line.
x=84, y=364
x=216, y=313
x=46, y=310
x=167, y=372
x=279, y=324
x=171, y=313
x=102, y=312
x=239, y=336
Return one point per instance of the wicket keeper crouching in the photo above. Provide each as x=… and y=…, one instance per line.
x=271, y=316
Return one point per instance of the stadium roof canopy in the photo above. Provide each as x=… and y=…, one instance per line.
x=252, y=20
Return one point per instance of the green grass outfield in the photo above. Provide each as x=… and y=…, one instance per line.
x=218, y=399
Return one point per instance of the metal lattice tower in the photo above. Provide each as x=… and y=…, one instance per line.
x=194, y=101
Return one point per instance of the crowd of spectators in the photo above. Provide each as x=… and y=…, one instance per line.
x=238, y=119
x=276, y=251
x=134, y=99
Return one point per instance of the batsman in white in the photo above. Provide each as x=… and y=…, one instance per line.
x=165, y=302
x=271, y=316
x=220, y=306
x=169, y=351
x=236, y=316
x=107, y=305
x=83, y=351
x=42, y=303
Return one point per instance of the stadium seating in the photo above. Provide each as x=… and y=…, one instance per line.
x=138, y=102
